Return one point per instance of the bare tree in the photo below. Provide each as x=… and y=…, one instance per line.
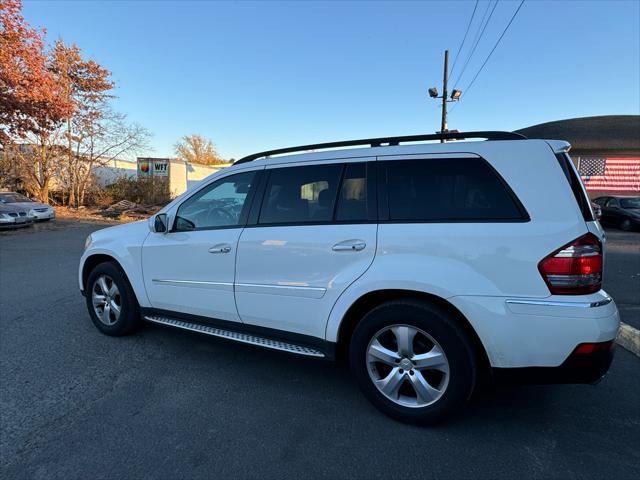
x=99, y=142
x=197, y=149
x=33, y=164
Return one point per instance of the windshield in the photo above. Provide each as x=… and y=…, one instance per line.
x=13, y=198
x=630, y=202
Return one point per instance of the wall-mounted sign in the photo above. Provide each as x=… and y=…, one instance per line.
x=158, y=167
x=161, y=168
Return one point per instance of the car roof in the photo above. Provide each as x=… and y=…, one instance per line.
x=397, y=145
x=476, y=148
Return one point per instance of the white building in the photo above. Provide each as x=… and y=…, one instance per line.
x=181, y=174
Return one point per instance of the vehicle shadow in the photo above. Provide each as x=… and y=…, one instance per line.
x=329, y=386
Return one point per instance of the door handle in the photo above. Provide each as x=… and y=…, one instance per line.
x=220, y=248
x=349, y=246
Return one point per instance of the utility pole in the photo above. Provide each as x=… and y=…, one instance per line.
x=445, y=78
x=455, y=95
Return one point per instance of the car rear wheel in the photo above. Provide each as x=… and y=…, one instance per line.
x=413, y=361
x=111, y=302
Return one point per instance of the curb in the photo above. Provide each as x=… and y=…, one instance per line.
x=629, y=338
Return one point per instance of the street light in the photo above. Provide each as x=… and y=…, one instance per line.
x=455, y=95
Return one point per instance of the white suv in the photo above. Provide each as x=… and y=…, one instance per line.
x=429, y=266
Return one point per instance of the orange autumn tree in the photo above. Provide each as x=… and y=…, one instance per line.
x=31, y=100
x=56, y=120
x=197, y=149
x=95, y=134
x=85, y=84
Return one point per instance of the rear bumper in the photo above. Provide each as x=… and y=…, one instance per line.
x=577, y=368
x=543, y=332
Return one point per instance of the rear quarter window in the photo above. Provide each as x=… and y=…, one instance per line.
x=576, y=185
x=448, y=189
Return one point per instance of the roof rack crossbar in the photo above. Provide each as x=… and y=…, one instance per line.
x=378, y=142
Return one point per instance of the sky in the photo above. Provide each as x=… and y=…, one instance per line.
x=259, y=75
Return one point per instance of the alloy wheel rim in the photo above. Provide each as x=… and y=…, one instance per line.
x=106, y=299
x=408, y=366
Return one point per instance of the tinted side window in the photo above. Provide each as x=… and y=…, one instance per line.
x=221, y=204
x=300, y=194
x=612, y=202
x=352, y=202
x=448, y=189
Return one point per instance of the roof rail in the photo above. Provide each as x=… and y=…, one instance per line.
x=378, y=142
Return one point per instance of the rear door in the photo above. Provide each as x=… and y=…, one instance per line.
x=314, y=234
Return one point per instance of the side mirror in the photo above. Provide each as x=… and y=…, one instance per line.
x=158, y=223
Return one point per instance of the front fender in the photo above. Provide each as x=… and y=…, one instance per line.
x=124, y=245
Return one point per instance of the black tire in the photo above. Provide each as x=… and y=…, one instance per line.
x=443, y=328
x=625, y=225
x=129, y=317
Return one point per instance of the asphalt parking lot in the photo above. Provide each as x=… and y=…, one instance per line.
x=166, y=404
x=622, y=273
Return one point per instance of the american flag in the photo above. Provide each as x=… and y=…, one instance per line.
x=616, y=174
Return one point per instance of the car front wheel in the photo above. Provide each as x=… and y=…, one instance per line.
x=111, y=302
x=413, y=361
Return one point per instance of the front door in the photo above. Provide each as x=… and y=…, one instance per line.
x=191, y=268
x=315, y=235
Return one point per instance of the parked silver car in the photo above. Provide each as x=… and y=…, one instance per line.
x=35, y=210
x=13, y=216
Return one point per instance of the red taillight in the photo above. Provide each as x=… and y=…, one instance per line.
x=590, y=348
x=574, y=269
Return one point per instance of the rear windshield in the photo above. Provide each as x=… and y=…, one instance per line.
x=577, y=188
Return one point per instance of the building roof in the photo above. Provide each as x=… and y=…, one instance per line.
x=603, y=134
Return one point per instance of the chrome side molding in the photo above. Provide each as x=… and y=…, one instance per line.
x=556, y=303
x=228, y=286
x=288, y=290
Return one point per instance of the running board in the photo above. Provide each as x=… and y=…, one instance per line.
x=236, y=336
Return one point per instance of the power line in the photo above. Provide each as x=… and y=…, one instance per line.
x=495, y=46
x=473, y=14
x=478, y=38
x=490, y=53
x=475, y=39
